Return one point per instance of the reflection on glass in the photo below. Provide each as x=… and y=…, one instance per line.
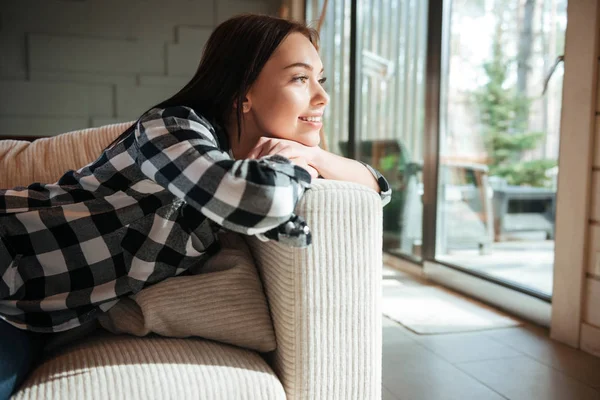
x=391, y=56
x=499, y=139
x=334, y=51
x=392, y=49
x=402, y=219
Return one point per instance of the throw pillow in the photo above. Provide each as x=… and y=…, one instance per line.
x=225, y=302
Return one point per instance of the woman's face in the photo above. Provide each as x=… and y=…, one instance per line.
x=287, y=99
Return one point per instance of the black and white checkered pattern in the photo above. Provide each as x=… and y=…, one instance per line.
x=147, y=209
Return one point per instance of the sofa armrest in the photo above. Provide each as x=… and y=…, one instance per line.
x=325, y=300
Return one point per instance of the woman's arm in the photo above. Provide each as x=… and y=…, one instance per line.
x=328, y=165
x=178, y=150
x=332, y=166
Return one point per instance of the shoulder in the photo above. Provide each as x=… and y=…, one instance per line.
x=180, y=121
x=176, y=115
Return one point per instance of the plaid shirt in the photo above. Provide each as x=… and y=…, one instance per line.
x=147, y=209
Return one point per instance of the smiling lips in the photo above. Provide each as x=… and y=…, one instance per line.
x=311, y=119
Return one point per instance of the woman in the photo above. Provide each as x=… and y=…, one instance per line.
x=236, y=148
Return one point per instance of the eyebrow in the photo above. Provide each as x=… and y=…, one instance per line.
x=303, y=65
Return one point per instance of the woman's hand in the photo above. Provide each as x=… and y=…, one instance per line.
x=299, y=154
x=316, y=161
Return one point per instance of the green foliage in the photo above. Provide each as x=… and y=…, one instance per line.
x=503, y=113
x=525, y=173
x=388, y=162
x=507, y=148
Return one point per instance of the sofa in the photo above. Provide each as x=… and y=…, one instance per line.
x=324, y=304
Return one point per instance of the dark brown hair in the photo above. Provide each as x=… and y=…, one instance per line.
x=233, y=57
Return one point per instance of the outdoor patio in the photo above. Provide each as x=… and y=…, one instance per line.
x=528, y=263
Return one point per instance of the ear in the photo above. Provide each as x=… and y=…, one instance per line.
x=246, y=105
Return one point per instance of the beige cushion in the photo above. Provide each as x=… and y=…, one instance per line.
x=124, y=367
x=16, y=164
x=46, y=160
x=224, y=302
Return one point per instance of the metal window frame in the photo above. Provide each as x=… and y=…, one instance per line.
x=438, y=27
x=433, y=73
x=354, y=71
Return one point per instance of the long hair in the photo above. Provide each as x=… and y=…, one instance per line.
x=233, y=57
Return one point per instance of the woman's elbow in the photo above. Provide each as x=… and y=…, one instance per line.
x=280, y=212
x=284, y=201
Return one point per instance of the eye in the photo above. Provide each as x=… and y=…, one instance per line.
x=322, y=81
x=301, y=79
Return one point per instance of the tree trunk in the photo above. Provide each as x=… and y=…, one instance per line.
x=525, y=44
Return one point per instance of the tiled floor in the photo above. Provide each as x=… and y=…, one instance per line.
x=519, y=363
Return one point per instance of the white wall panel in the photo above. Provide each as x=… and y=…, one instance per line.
x=13, y=59
x=228, y=8
x=99, y=121
x=40, y=126
x=183, y=59
x=193, y=35
x=156, y=80
x=594, y=251
x=595, y=206
x=82, y=54
x=590, y=339
x=134, y=100
x=68, y=65
x=591, y=311
x=597, y=142
x=55, y=99
x=82, y=77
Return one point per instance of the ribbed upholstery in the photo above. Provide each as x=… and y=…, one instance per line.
x=125, y=367
x=225, y=302
x=15, y=173
x=46, y=160
x=326, y=301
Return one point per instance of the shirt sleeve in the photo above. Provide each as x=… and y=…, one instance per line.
x=178, y=149
x=385, y=191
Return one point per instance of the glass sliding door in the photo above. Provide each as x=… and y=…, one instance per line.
x=499, y=136
x=389, y=51
x=335, y=53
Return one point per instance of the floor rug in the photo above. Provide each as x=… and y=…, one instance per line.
x=433, y=309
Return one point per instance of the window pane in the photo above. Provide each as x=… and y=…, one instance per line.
x=499, y=139
x=391, y=53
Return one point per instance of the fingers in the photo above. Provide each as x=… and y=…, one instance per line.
x=264, y=147
x=272, y=147
x=285, y=148
x=314, y=174
x=301, y=162
x=285, y=151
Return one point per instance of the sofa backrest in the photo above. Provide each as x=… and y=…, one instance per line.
x=46, y=160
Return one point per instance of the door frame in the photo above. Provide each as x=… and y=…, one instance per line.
x=575, y=169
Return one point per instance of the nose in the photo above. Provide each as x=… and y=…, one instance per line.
x=320, y=96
